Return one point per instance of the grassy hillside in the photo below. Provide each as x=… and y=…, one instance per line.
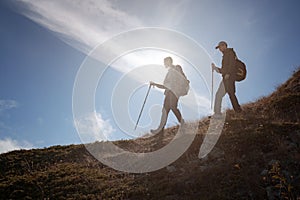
x=256, y=157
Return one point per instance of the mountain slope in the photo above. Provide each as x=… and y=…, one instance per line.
x=256, y=157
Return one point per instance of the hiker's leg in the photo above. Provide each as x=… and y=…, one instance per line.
x=164, y=117
x=235, y=104
x=218, y=99
x=174, y=108
x=165, y=111
x=230, y=87
x=177, y=113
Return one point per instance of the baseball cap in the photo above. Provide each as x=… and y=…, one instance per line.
x=220, y=43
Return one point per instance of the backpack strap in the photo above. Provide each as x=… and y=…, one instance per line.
x=179, y=69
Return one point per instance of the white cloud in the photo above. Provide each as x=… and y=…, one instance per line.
x=81, y=24
x=9, y=144
x=8, y=104
x=84, y=24
x=93, y=127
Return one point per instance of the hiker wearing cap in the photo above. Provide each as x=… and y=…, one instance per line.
x=228, y=71
x=171, y=85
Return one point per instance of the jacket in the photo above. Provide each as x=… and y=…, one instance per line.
x=228, y=62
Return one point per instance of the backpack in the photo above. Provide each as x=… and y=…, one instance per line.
x=241, y=71
x=183, y=87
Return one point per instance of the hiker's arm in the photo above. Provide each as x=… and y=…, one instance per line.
x=214, y=67
x=158, y=85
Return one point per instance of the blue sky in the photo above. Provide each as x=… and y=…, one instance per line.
x=43, y=44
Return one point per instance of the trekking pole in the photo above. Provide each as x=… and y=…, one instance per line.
x=212, y=88
x=142, y=107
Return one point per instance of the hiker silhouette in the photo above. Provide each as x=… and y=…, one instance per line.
x=175, y=85
x=229, y=73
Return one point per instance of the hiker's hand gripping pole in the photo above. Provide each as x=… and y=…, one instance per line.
x=143, y=106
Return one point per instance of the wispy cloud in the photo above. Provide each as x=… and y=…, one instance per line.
x=8, y=144
x=8, y=104
x=93, y=127
x=81, y=24
x=85, y=24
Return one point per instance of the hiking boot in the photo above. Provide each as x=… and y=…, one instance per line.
x=217, y=116
x=239, y=114
x=239, y=111
x=182, y=125
x=156, y=131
